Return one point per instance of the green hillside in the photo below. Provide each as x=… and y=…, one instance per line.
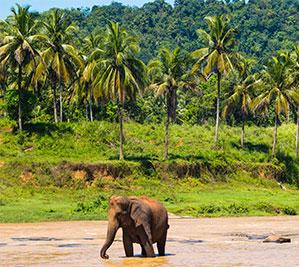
x=68, y=171
x=264, y=26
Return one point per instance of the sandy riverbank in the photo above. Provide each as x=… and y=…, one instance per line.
x=191, y=242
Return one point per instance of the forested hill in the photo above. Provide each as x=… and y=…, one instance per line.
x=265, y=26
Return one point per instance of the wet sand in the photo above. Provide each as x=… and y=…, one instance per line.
x=191, y=242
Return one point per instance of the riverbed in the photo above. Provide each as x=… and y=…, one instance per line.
x=191, y=242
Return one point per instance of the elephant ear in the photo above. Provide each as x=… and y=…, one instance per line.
x=138, y=213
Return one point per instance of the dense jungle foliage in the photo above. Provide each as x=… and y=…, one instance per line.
x=264, y=26
x=208, y=60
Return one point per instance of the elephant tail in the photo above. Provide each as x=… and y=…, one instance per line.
x=167, y=226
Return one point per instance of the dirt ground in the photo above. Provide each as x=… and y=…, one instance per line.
x=191, y=242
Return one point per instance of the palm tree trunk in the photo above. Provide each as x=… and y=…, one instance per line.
x=60, y=101
x=243, y=132
x=173, y=104
x=54, y=100
x=86, y=104
x=166, y=137
x=275, y=136
x=4, y=97
x=121, y=135
x=90, y=105
x=168, y=107
x=35, y=100
x=4, y=86
x=297, y=132
x=20, y=97
x=86, y=110
x=217, y=107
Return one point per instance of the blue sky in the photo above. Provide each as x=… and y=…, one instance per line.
x=41, y=5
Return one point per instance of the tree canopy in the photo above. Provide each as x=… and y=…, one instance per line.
x=263, y=26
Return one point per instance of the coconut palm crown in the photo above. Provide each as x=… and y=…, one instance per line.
x=61, y=59
x=91, y=55
x=168, y=73
x=122, y=74
x=217, y=55
x=278, y=80
x=19, y=46
x=243, y=91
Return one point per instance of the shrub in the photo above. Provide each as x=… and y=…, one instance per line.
x=289, y=211
x=268, y=208
x=209, y=209
x=12, y=100
x=237, y=209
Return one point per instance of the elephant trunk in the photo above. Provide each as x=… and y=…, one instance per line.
x=111, y=232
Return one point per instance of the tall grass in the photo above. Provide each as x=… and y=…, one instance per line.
x=97, y=141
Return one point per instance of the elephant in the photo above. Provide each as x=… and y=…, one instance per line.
x=143, y=221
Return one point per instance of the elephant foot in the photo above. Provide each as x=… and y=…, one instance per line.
x=105, y=257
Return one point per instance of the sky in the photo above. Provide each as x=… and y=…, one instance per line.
x=41, y=5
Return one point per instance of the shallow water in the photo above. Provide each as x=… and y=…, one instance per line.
x=191, y=242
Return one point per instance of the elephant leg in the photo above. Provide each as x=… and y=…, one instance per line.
x=161, y=244
x=146, y=243
x=128, y=244
x=148, y=232
x=143, y=253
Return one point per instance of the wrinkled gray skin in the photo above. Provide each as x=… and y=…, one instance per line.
x=144, y=221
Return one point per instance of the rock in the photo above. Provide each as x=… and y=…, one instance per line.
x=282, y=186
x=276, y=239
x=2, y=163
x=27, y=149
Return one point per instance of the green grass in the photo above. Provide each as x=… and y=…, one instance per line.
x=186, y=196
x=68, y=171
x=98, y=141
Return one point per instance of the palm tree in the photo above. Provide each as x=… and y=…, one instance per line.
x=3, y=79
x=278, y=90
x=3, y=84
x=19, y=46
x=295, y=57
x=121, y=73
x=61, y=58
x=217, y=56
x=241, y=97
x=92, y=54
x=167, y=75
